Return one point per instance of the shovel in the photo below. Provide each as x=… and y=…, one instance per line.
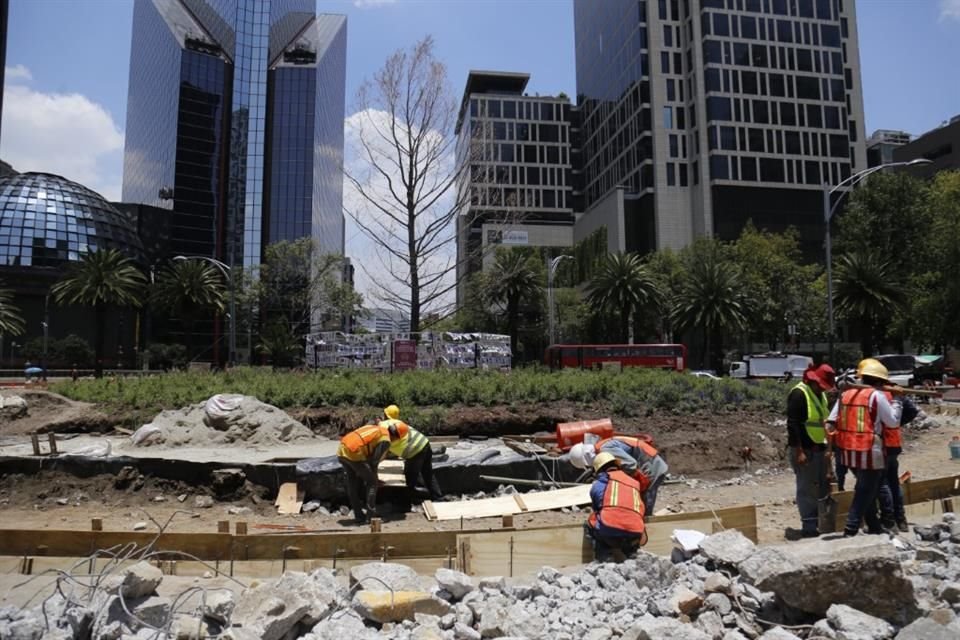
x=827, y=514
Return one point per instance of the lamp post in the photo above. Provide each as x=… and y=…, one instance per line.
x=551, y=270
x=828, y=211
x=232, y=315
x=46, y=332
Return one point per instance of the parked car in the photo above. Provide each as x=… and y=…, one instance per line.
x=705, y=374
x=900, y=368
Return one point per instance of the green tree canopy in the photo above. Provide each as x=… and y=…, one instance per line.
x=513, y=280
x=189, y=289
x=101, y=279
x=867, y=293
x=11, y=320
x=622, y=285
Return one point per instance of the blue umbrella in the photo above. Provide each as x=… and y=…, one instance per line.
x=32, y=371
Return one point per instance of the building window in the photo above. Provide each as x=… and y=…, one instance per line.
x=668, y=118
x=712, y=79
x=721, y=24
x=718, y=168
x=748, y=168
x=728, y=138
x=718, y=108
x=683, y=175
x=771, y=170
x=671, y=175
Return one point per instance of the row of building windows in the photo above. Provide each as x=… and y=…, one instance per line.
x=770, y=30
x=521, y=131
x=526, y=153
x=723, y=109
x=487, y=174
x=777, y=85
x=777, y=141
x=754, y=169
x=518, y=109
x=761, y=56
x=520, y=197
x=820, y=9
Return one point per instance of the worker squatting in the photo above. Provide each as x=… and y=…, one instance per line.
x=628, y=472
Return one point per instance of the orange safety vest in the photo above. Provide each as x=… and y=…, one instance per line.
x=402, y=427
x=622, y=507
x=855, y=421
x=638, y=443
x=892, y=438
x=360, y=443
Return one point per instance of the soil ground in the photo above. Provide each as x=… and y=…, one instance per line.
x=705, y=451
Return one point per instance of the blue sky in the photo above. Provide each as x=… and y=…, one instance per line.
x=68, y=60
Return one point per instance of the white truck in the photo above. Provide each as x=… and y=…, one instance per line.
x=770, y=365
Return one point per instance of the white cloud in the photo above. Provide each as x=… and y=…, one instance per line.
x=18, y=72
x=377, y=270
x=368, y=4
x=66, y=134
x=950, y=9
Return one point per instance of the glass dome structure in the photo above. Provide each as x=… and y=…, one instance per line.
x=49, y=221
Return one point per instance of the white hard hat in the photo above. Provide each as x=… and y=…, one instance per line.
x=581, y=455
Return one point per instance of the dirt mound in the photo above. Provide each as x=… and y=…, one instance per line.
x=48, y=411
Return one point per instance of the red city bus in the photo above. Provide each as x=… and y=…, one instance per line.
x=591, y=356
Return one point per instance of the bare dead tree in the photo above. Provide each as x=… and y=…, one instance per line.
x=411, y=184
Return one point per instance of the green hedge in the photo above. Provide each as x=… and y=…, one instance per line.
x=631, y=392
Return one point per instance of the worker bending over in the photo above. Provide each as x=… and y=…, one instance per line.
x=414, y=449
x=361, y=451
x=858, y=420
x=636, y=456
x=616, y=523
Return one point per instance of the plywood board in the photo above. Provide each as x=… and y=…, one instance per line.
x=557, y=499
x=485, y=508
x=914, y=492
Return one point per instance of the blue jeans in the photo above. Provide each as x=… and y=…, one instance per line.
x=891, y=497
x=864, y=502
x=812, y=486
x=650, y=496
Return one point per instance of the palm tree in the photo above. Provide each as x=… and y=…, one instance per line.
x=279, y=343
x=622, y=285
x=101, y=279
x=866, y=292
x=189, y=289
x=711, y=298
x=11, y=321
x=512, y=280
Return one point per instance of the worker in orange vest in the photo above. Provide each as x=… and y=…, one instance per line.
x=616, y=523
x=858, y=421
x=361, y=451
x=414, y=449
x=637, y=457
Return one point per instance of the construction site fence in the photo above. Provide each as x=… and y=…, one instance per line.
x=402, y=351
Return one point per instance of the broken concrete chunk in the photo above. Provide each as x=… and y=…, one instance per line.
x=458, y=584
x=268, y=611
x=219, y=605
x=386, y=606
x=728, y=547
x=651, y=628
x=856, y=625
x=684, y=601
x=717, y=582
x=140, y=580
x=926, y=629
x=811, y=576
x=384, y=575
x=203, y=502
x=778, y=633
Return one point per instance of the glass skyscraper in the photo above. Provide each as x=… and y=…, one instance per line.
x=235, y=123
x=701, y=115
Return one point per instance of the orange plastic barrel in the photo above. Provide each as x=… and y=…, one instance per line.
x=571, y=433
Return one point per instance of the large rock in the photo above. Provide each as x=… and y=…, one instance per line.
x=153, y=611
x=455, y=583
x=218, y=605
x=269, y=611
x=397, y=606
x=384, y=575
x=925, y=629
x=651, y=628
x=778, y=633
x=728, y=547
x=851, y=624
x=319, y=588
x=140, y=580
x=497, y=621
x=343, y=625
x=812, y=576
x=12, y=407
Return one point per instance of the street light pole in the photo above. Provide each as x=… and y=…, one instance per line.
x=551, y=271
x=828, y=211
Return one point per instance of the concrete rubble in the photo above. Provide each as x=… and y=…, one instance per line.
x=862, y=588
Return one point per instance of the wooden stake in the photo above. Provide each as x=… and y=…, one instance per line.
x=241, y=528
x=96, y=524
x=375, y=525
x=507, y=521
x=52, y=439
x=35, y=441
x=223, y=526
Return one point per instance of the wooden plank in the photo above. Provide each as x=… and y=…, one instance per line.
x=557, y=499
x=520, y=503
x=488, y=507
x=428, y=510
x=914, y=492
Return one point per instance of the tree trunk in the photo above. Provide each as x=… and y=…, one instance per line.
x=100, y=311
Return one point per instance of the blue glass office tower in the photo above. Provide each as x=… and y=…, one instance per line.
x=235, y=123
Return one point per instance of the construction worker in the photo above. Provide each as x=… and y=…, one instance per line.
x=807, y=409
x=858, y=420
x=361, y=451
x=616, y=523
x=637, y=457
x=414, y=449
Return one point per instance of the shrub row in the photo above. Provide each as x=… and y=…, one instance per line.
x=631, y=392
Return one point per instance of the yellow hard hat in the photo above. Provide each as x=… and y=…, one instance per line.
x=392, y=412
x=603, y=459
x=873, y=368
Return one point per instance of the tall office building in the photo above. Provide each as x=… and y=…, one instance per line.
x=235, y=123
x=515, y=181
x=700, y=115
x=4, y=12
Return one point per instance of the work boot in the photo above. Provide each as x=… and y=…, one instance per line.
x=902, y=525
